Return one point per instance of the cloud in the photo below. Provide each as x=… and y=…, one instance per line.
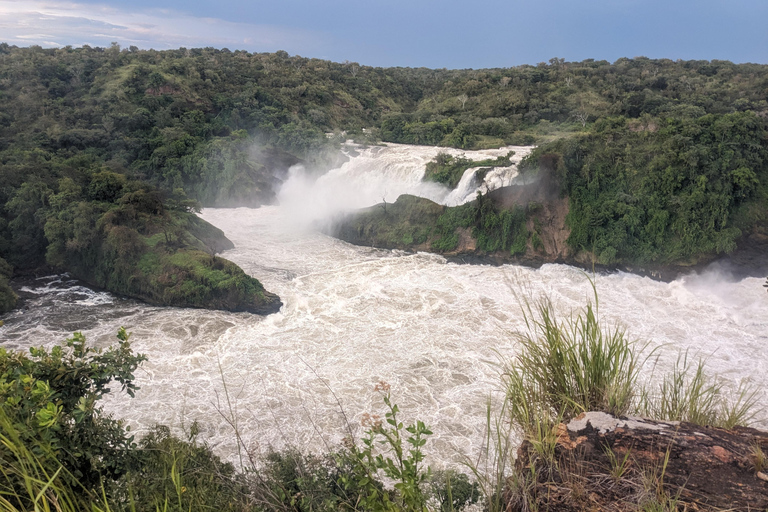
x=61, y=23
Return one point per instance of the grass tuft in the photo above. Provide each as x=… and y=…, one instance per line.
x=568, y=366
x=689, y=394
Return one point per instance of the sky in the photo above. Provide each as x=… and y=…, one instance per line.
x=413, y=33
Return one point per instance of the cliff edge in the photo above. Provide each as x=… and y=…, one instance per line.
x=603, y=462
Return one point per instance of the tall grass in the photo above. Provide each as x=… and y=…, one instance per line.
x=31, y=482
x=565, y=366
x=689, y=393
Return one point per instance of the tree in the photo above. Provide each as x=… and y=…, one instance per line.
x=463, y=99
x=28, y=210
x=581, y=117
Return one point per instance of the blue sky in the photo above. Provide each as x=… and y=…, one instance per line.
x=431, y=33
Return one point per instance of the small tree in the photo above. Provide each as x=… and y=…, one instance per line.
x=581, y=117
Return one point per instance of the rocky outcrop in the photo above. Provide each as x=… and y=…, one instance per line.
x=414, y=224
x=167, y=260
x=607, y=463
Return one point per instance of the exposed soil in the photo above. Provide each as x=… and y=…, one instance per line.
x=698, y=467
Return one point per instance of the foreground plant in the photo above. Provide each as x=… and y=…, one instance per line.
x=397, y=461
x=688, y=393
x=565, y=367
x=50, y=398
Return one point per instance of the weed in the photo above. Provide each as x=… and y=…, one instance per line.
x=453, y=491
x=758, y=458
x=687, y=393
x=490, y=468
x=565, y=367
x=654, y=496
x=619, y=465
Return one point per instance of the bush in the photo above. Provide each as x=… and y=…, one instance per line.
x=51, y=398
x=7, y=296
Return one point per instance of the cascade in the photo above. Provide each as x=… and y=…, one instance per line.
x=354, y=316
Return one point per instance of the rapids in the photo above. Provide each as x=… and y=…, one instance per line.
x=354, y=316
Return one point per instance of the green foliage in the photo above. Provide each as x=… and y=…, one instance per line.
x=7, y=296
x=411, y=220
x=448, y=170
x=565, y=367
x=453, y=491
x=403, y=467
x=138, y=246
x=499, y=230
x=662, y=190
x=50, y=399
x=493, y=228
x=401, y=224
x=27, y=210
x=677, y=179
x=106, y=186
x=180, y=475
x=29, y=481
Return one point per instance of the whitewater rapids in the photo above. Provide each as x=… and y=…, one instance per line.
x=354, y=316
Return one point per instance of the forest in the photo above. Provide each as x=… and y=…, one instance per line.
x=107, y=153
x=661, y=160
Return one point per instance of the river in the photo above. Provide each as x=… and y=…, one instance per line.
x=354, y=316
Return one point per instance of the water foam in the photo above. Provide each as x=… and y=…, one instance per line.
x=379, y=174
x=356, y=315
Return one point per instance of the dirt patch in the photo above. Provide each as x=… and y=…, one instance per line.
x=467, y=242
x=704, y=468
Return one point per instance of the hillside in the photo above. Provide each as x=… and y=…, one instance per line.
x=219, y=128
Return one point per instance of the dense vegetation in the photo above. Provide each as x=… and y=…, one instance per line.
x=60, y=451
x=662, y=190
x=222, y=128
x=105, y=154
x=7, y=295
x=448, y=170
x=413, y=222
x=188, y=118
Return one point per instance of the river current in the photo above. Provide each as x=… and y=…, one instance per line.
x=354, y=316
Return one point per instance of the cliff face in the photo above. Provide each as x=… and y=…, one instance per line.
x=517, y=224
x=533, y=231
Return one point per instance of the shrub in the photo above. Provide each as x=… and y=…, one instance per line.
x=50, y=399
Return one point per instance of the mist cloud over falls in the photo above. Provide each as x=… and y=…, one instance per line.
x=381, y=174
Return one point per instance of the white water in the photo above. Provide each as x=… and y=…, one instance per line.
x=354, y=316
x=377, y=174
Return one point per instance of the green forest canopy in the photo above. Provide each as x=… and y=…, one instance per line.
x=217, y=126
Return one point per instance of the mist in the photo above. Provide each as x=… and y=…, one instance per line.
x=379, y=174
x=355, y=315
